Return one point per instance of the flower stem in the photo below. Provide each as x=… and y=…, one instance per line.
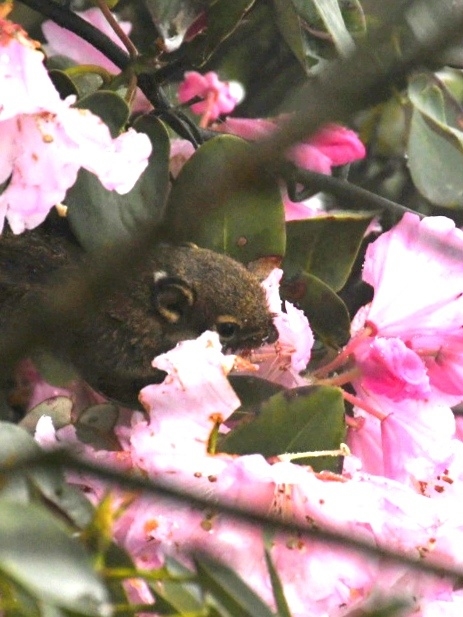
x=358, y=402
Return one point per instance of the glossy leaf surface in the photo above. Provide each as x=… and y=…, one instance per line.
x=247, y=224
x=303, y=419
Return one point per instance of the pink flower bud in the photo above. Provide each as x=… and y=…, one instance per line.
x=219, y=97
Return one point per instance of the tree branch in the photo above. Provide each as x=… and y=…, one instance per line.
x=56, y=458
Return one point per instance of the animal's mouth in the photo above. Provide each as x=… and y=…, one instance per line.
x=251, y=342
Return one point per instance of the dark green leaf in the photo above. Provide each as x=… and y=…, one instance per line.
x=247, y=225
x=452, y=79
x=229, y=590
x=325, y=246
x=102, y=218
x=63, y=83
x=327, y=314
x=290, y=28
x=16, y=445
x=353, y=16
x=435, y=160
x=174, y=17
x=394, y=607
x=38, y=553
x=277, y=587
x=59, y=408
x=435, y=142
x=332, y=18
x=303, y=419
x=222, y=18
x=252, y=390
x=109, y=106
x=36, y=483
x=176, y=597
x=95, y=426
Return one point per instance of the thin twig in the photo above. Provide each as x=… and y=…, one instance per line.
x=273, y=522
x=350, y=195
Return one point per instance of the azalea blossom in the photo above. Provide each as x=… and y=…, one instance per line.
x=382, y=511
x=61, y=41
x=411, y=334
x=282, y=361
x=44, y=141
x=180, y=151
x=331, y=146
x=219, y=97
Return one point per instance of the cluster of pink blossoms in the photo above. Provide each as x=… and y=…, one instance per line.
x=44, y=141
x=332, y=146
x=403, y=488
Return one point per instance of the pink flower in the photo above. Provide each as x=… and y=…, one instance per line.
x=339, y=144
x=389, y=367
x=219, y=97
x=174, y=449
x=44, y=141
x=26, y=88
x=65, y=43
x=331, y=146
x=299, y=210
x=417, y=274
x=283, y=361
x=180, y=151
x=413, y=443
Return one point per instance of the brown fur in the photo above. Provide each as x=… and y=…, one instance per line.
x=113, y=350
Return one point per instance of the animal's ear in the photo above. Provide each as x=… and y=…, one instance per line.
x=171, y=297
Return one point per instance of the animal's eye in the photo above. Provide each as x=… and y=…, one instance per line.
x=227, y=329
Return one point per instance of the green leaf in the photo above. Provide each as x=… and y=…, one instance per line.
x=331, y=15
x=229, y=590
x=38, y=553
x=102, y=218
x=326, y=312
x=253, y=390
x=326, y=16
x=247, y=225
x=95, y=426
x=48, y=484
x=325, y=246
x=176, y=597
x=173, y=18
x=393, y=607
x=290, y=27
x=435, y=160
x=63, y=83
x=435, y=147
x=223, y=17
x=353, y=16
x=304, y=419
x=16, y=446
x=59, y=408
x=277, y=587
x=110, y=107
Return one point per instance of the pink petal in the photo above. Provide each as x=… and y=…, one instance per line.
x=65, y=43
x=390, y=368
x=26, y=87
x=427, y=297
x=339, y=144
